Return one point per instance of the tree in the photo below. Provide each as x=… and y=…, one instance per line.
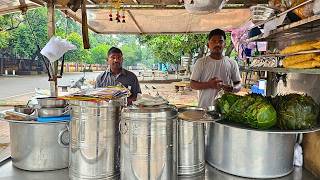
x=78, y=54
x=169, y=48
x=131, y=53
x=99, y=53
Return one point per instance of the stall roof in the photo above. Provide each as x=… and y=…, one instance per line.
x=148, y=16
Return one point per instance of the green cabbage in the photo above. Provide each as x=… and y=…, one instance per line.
x=252, y=110
x=296, y=111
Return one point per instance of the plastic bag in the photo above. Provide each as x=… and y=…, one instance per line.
x=298, y=157
x=56, y=47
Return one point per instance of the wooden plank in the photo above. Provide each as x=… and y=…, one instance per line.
x=51, y=32
x=84, y=22
x=135, y=22
x=311, y=148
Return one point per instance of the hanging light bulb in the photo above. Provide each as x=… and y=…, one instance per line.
x=116, y=5
x=123, y=16
x=110, y=14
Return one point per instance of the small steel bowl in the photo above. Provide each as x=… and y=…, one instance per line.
x=23, y=109
x=52, y=112
x=51, y=102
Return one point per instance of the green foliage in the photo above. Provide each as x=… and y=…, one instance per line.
x=99, y=53
x=79, y=54
x=169, y=48
x=4, y=39
x=131, y=53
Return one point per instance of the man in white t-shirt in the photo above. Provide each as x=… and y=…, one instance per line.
x=215, y=72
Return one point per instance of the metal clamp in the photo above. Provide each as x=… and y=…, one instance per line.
x=61, y=135
x=123, y=127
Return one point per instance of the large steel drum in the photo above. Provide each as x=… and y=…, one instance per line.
x=250, y=153
x=148, y=143
x=95, y=140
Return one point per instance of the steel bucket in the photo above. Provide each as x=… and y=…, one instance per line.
x=249, y=153
x=148, y=143
x=39, y=146
x=95, y=140
x=191, y=145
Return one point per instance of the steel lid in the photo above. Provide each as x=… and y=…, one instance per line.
x=150, y=112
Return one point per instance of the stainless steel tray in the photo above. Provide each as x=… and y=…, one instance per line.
x=272, y=130
x=9, y=172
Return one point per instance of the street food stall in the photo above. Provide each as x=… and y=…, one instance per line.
x=93, y=134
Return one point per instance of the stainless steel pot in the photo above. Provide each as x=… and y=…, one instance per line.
x=39, y=146
x=148, y=143
x=190, y=145
x=52, y=112
x=249, y=153
x=51, y=102
x=95, y=140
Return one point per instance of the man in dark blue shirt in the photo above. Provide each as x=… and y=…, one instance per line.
x=116, y=74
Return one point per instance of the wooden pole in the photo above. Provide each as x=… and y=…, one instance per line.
x=51, y=32
x=85, y=31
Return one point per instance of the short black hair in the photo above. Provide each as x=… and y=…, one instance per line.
x=217, y=32
x=114, y=50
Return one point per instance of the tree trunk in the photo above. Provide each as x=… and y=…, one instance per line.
x=229, y=50
x=201, y=52
x=189, y=63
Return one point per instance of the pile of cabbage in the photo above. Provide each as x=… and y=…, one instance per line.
x=289, y=112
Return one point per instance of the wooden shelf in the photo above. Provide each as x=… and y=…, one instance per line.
x=281, y=70
x=310, y=24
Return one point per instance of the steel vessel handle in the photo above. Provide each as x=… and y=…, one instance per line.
x=60, y=136
x=123, y=130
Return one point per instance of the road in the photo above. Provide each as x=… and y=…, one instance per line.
x=22, y=85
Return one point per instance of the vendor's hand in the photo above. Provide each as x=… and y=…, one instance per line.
x=215, y=83
x=227, y=88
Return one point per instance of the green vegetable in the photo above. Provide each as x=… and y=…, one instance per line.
x=261, y=115
x=296, y=111
x=253, y=110
x=224, y=103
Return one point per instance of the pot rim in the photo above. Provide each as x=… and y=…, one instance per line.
x=33, y=122
x=270, y=131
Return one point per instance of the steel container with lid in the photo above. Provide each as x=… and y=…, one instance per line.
x=148, y=143
x=191, y=143
x=95, y=140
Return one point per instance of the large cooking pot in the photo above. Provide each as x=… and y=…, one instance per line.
x=148, y=143
x=95, y=140
x=39, y=146
x=249, y=153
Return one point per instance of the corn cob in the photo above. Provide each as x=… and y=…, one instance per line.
x=291, y=60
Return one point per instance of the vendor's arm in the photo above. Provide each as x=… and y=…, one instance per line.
x=211, y=84
x=135, y=90
x=235, y=77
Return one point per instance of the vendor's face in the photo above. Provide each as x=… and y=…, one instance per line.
x=115, y=60
x=216, y=44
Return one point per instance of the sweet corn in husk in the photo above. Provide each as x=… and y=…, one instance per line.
x=299, y=47
x=316, y=45
x=305, y=65
x=297, y=59
x=317, y=58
